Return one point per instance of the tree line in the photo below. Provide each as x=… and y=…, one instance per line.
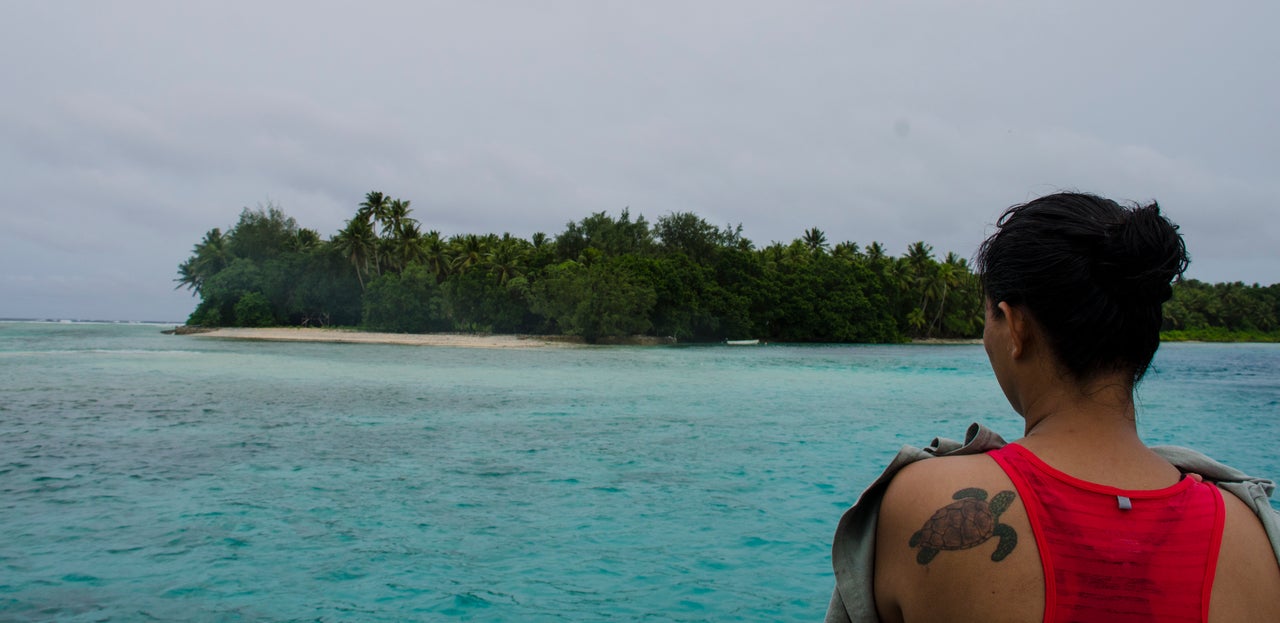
x=606, y=276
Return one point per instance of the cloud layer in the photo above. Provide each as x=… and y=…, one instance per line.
x=137, y=126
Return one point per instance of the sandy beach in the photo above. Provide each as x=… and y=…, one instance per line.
x=457, y=340
x=947, y=341
x=460, y=340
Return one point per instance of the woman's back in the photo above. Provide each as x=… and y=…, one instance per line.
x=961, y=580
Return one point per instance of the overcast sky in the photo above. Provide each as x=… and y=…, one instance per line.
x=129, y=129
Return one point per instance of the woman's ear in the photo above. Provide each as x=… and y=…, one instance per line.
x=1018, y=328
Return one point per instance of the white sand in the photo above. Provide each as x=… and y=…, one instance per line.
x=460, y=340
x=946, y=340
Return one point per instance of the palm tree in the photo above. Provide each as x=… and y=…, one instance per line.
x=845, y=250
x=302, y=240
x=374, y=208
x=215, y=250
x=436, y=255
x=946, y=277
x=396, y=217
x=406, y=247
x=468, y=251
x=189, y=275
x=920, y=272
x=875, y=252
x=898, y=282
x=815, y=240
x=919, y=255
x=210, y=255
x=504, y=261
x=916, y=320
x=358, y=244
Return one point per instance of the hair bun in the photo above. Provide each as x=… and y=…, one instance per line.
x=1140, y=256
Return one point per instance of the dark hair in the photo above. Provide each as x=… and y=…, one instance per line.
x=1093, y=275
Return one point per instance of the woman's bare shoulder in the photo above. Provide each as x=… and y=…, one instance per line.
x=922, y=488
x=928, y=552
x=940, y=475
x=1247, y=583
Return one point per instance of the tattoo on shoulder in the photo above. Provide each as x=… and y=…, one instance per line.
x=967, y=522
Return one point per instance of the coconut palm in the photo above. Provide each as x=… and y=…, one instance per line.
x=919, y=273
x=919, y=256
x=396, y=218
x=875, y=252
x=189, y=275
x=916, y=320
x=815, y=240
x=374, y=208
x=947, y=276
x=898, y=284
x=504, y=260
x=358, y=244
x=467, y=250
x=847, y=251
x=302, y=240
x=406, y=247
x=436, y=255
x=210, y=255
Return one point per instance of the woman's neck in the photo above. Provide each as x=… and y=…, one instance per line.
x=1090, y=432
x=1104, y=406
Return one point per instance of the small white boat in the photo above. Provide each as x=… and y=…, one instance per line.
x=741, y=342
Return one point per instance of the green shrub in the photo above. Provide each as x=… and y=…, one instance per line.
x=253, y=310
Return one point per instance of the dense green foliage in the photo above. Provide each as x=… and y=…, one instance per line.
x=289, y=276
x=1222, y=312
x=605, y=277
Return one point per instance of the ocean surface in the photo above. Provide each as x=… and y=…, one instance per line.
x=146, y=477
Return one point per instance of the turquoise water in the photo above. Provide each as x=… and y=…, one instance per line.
x=152, y=477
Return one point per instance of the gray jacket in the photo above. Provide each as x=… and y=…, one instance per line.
x=853, y=551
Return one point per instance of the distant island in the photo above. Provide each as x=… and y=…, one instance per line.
x=602, y=278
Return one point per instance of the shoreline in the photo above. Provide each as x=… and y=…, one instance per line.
x=456, y=340
x=947, y=341
x=351, y=336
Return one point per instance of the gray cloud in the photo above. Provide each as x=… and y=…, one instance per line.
x=140, y=125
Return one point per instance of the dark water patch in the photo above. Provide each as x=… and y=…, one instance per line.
x=56, y=477
x=170, y=553
x=465, y=603
x=82, y=579
x=184, y=592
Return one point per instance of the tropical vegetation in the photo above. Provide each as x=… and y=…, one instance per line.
x=604, y=276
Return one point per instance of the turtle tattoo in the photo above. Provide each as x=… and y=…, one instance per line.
x=967, y=522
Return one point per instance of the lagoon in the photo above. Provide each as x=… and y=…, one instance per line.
x=145, y=476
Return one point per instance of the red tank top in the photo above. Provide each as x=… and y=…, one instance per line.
x=1115, y=555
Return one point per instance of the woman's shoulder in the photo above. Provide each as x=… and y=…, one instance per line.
x=942, y=475
x=1247, y=583
x=925, y=488
x=948, y=528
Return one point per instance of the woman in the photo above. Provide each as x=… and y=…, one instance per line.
x=1078, y=520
